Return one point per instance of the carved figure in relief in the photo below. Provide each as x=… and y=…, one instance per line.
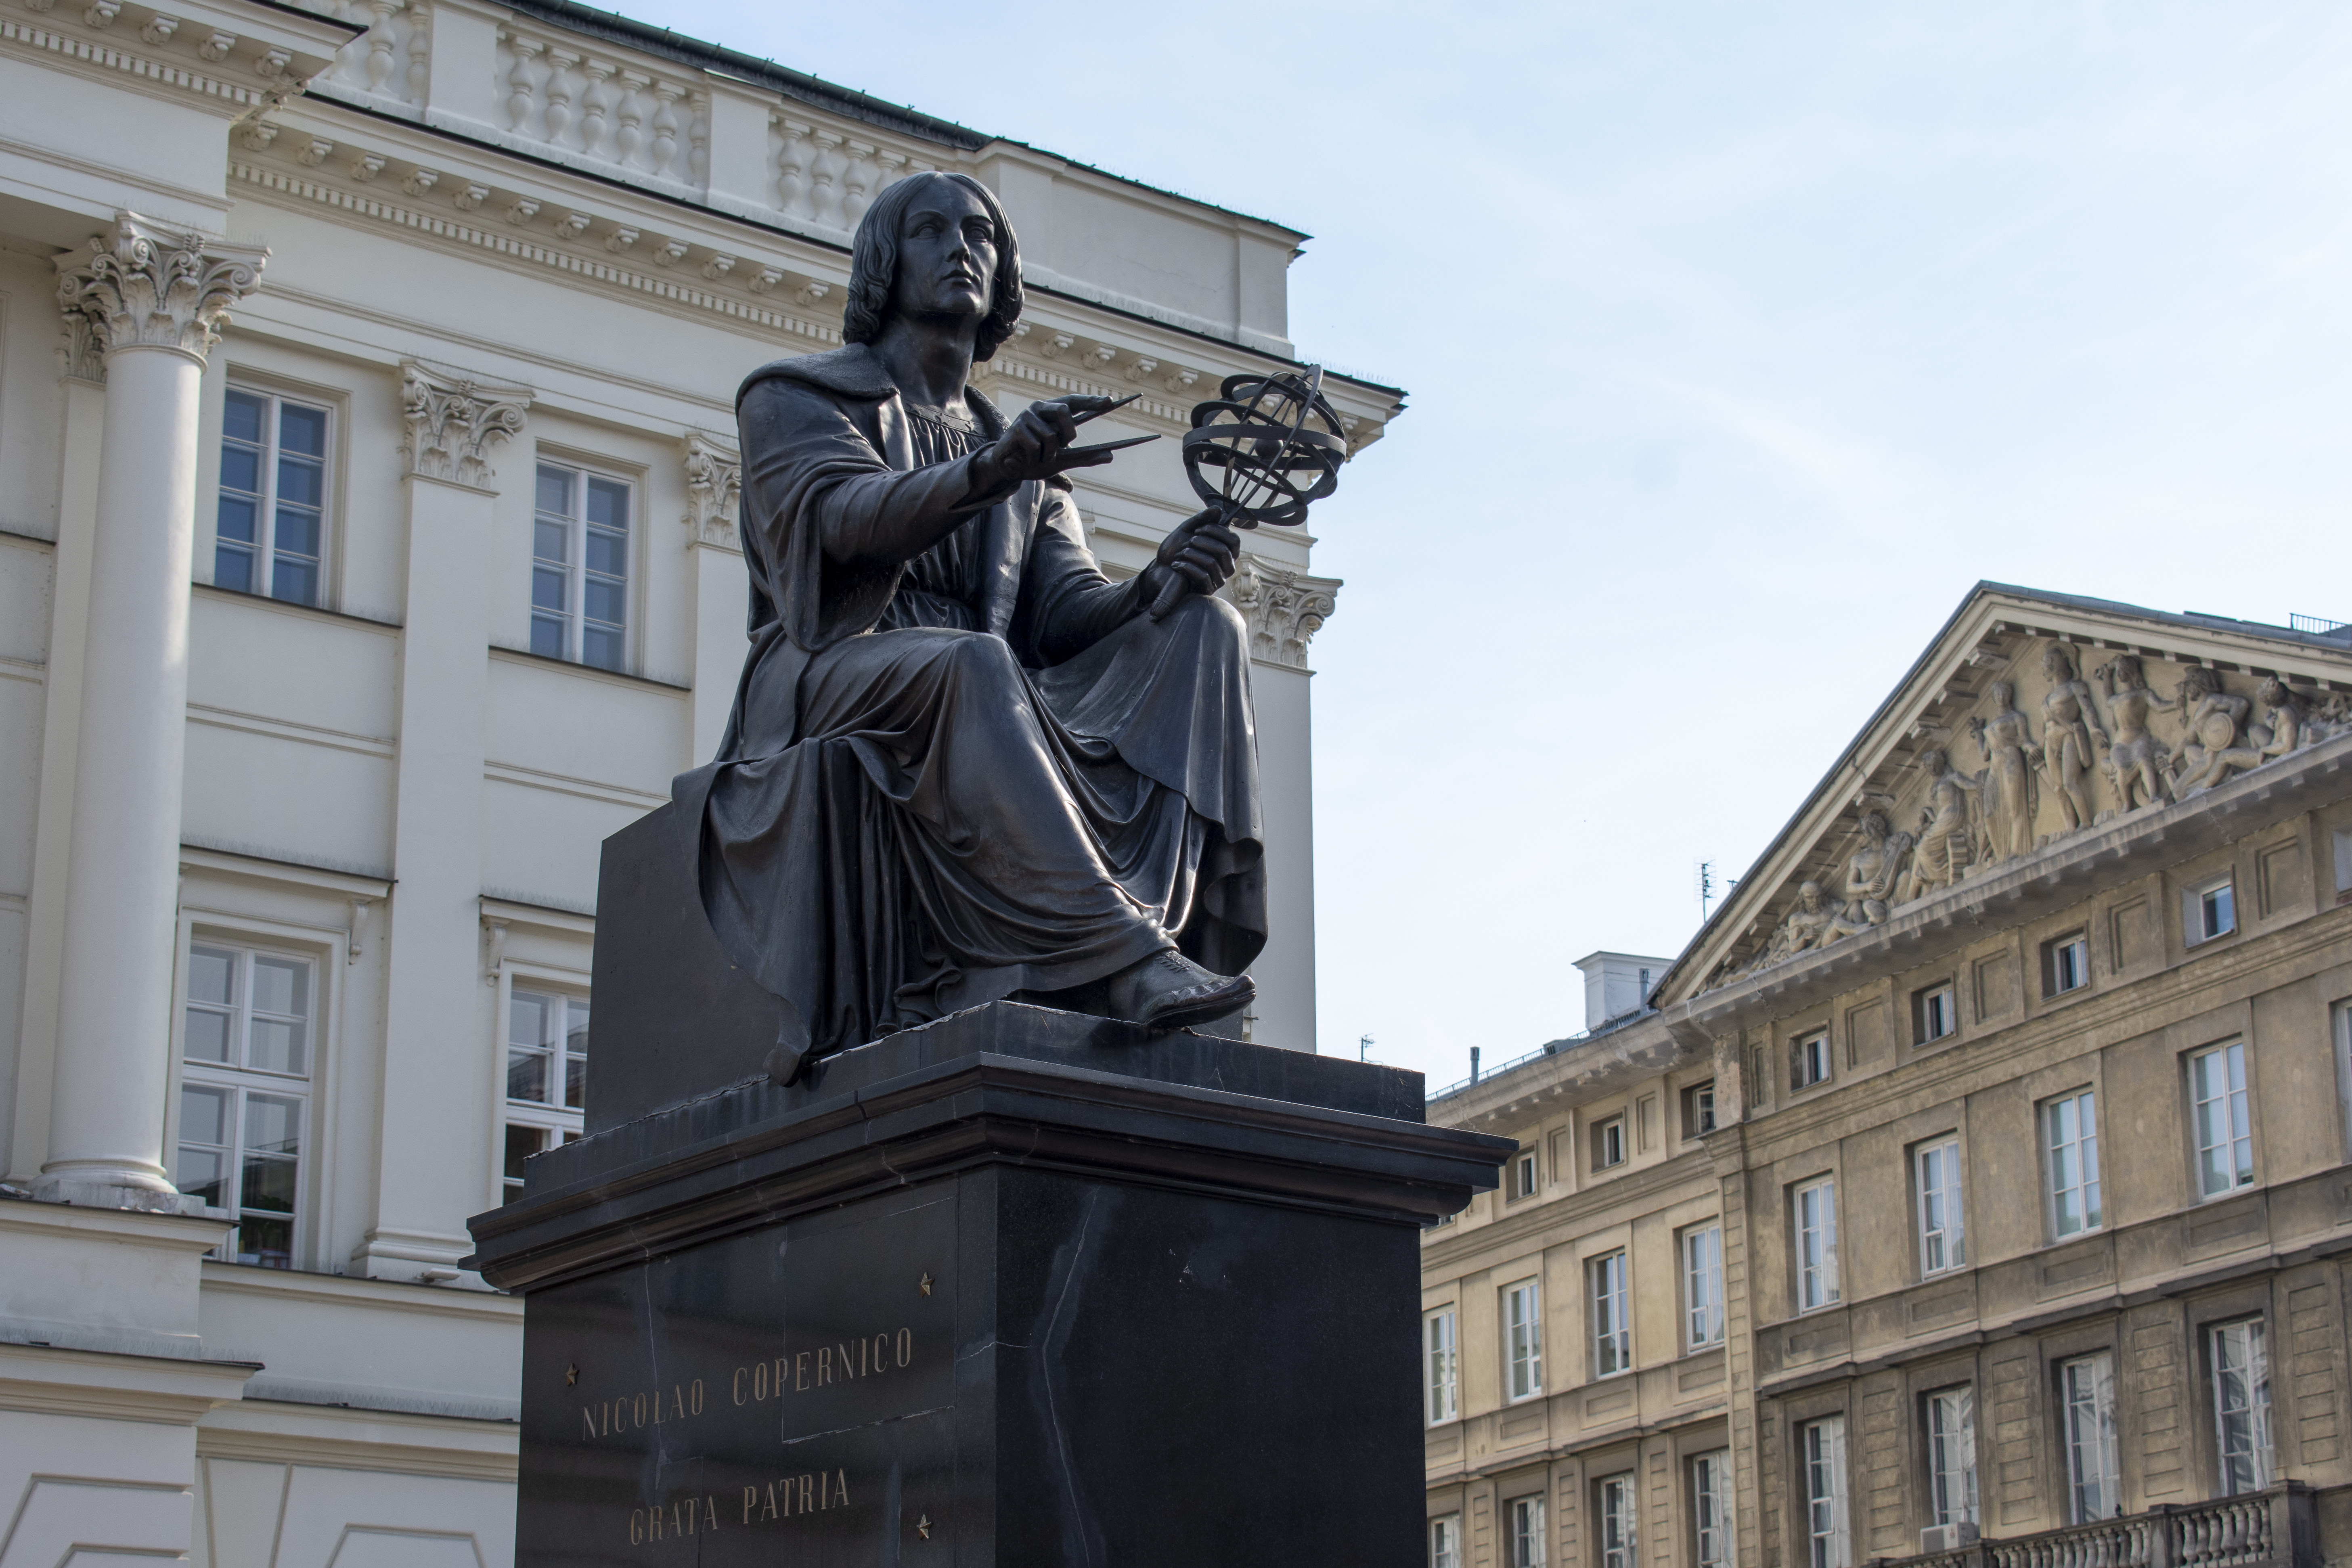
x=2007, y=743
x=2211, y=715
x=2069, y=718
x=1873, y=873
x=2136, y=758
x=1813, y=923
x=1944, y=850
x=2285, y=727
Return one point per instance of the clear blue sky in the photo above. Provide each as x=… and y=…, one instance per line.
x=1740, y=341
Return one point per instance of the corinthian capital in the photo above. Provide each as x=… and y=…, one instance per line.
x=1284, y=608
x=148, y=287
x=714, y=489
x=453, y=419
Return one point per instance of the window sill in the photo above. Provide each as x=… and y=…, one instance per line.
x=295, y=607
x=592, y=671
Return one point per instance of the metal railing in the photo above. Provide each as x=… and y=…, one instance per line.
x=2315, y=625
x=1537, y=1054
x=2274, y=1529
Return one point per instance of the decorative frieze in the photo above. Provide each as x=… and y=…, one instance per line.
x=454, y=419
x=151, y=287
x=714, y=488
x=1284, y=608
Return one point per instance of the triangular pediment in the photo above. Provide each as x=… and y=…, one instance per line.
x=2109, y=711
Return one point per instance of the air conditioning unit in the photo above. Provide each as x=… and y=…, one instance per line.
x=1947, y=1538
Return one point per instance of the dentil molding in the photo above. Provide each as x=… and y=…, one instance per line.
x=453, y=419
x=149, y=287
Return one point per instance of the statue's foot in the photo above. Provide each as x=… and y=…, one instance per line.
x=1168, y=991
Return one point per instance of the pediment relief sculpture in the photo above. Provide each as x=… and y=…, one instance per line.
x=2109, y=744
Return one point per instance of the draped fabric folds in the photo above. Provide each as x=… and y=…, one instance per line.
x=981, y=772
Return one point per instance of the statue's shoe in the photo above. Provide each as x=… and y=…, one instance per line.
x=1168, y=991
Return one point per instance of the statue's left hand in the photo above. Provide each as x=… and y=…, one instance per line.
x=1199, y=553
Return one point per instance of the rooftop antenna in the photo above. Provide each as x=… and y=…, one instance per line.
x=1363, y=1047
x=1702, y=886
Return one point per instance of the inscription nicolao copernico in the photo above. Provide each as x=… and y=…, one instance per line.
x=754, y=1383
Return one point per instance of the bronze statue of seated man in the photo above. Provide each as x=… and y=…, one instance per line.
x=963, y=764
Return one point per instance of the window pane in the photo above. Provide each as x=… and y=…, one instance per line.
x=547, y=636
x=551, y=541
x=241, y=417
x=550, y=590
x=200, y=1175
x=608, y=503
x=281, y=985
x=273, y=1125
x=294, y=580
x=302, y=429
x=526, y=1076
x=527, y=1019
x=269, y=1243
x=605, y=600
x=239, y=515
x=268, y=1184
x=276, y=1046
x=208, y=1039
x=232, y=569
x=522, y=1142
x=608, y=552
x=203, y=1115
x=300, y=482
x=297, y=532
x=555, y=490
x=212, y=976
x=604, y=650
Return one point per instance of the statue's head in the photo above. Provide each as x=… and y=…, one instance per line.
x=1932, y=762
x=1809, y=896
x=2198, y=682
x=2127, y=672
x=1874, y=826
x=2003, y=694
x=2058, y=664
x=2274, y=692
x=926, y=219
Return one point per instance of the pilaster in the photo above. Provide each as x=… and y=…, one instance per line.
x=714, y=484
x=153, y=299
x=435, y=1013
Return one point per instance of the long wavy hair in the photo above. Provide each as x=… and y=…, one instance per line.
x=873, y=265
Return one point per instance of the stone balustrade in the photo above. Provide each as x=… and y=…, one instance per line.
x=2274, y=1529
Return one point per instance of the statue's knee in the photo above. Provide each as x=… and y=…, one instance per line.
x=1216, y=615
x=980, y=656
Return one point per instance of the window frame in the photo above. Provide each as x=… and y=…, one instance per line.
x=262, y=551
x=2237, y=1097
x=1608, y=1135
x=556, y=1124
x=1814, y=1271
x=1526, y=1179
x=1609, y=1292
x=2262, y=1449
x=1821, y=1462
x=2105, y=1440
x=1713, y=1525
x=1698, y=1110
x=1703, y=1290
x=1615, y=1513
x=1524, y=1519
x=1926, y=1013
x=581, y=471
x=1445, y=1540
x=2064, y=955
x=2199, y=901
x=1522, y=1340
x=1441, y=1379
x=2086, y=1145
x=1951, y=1431
x=1951, y=1234
x=308, y=1088
x=1809, y=1051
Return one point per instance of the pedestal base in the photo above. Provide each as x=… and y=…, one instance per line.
x=1020, y=1286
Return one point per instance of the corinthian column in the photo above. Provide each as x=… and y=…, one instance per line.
x=152, y=300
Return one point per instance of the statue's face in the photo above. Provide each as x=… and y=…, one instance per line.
x=947, y=255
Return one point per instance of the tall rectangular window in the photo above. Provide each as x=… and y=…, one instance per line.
x=1943, y=1245
x=1523, y=1175
x=1812, y=1064
x=1446, y=1541
x=547, y=1076
x=1711, y=1508
x=244, y=1094
x=2070, y=1127
x=1817, y=1255
x=1608, y=1143
x=2065, y=964
x=580, y=568
x=2211, y=909
x=1441, y=1350
x=1525, y=1517
x=2225, y=1142
x=1616, y=1520
x=1820, y=1449
x=1934, y=1014
x=2241, y=1404
x=1698, y=1110
x=1952, y=1455
x=1523, y=1339
x=2094, y=1476
x=1613, y=1335
x=1703, y=1285
x=270, y=529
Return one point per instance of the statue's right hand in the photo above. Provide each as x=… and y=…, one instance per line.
x=1037, y=444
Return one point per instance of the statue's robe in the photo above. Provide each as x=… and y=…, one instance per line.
x=981, y=772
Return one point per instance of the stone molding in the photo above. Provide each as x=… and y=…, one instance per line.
x=453, y=419
x=149, y=287
x=714, y=489
x=1284, y=608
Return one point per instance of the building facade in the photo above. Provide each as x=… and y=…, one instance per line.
x=1975, y=1188
x=367, y=555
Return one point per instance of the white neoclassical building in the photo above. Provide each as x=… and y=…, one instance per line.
x=367, y=554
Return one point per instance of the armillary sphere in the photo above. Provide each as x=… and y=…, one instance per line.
x=1260, y=451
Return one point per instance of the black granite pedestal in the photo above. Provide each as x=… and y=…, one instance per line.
x=1021, y=1287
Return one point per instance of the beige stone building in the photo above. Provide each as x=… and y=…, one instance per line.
x=1975, y=1185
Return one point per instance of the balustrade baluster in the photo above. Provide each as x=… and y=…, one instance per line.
x=697, y=143
x=791, y=169
x=856, y=182
x=664, y=150
x=629, y=134
x=522, y=98
x=824, y=180
x=595, y=105
x=420, y=52
x=558, y=92
x=379, y=42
